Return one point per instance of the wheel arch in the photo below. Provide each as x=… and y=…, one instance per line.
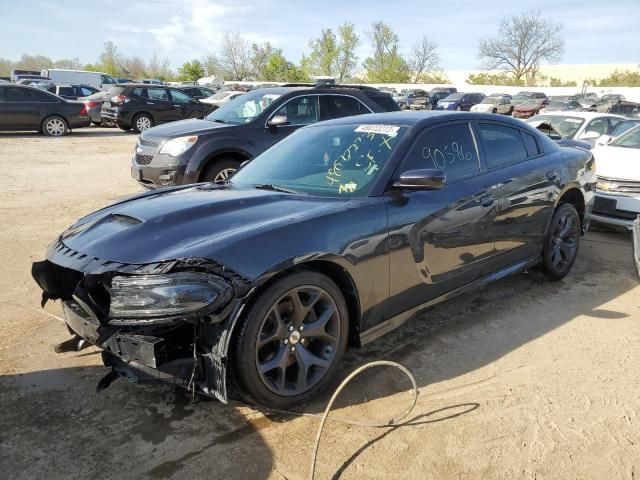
x=332, y=270
x=230, y=153
x=573, y=195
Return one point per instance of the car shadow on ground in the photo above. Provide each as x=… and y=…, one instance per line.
x=78, y=132
x=53, y=420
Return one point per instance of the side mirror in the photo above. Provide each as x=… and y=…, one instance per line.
x=426, y=179
x=278, y=120
x=604, y=140
x=590, y=135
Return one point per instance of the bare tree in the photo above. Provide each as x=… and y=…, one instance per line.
x=522, y=43
x=235, y=57
x=260, y=55
x=424, y=59
x=211, y=65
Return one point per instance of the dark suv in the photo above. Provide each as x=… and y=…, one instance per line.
x=197, y=92
x=212, y=149
x=141, y=106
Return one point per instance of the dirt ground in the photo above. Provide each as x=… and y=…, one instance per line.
x=525, y=379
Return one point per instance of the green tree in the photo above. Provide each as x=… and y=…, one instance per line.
x=556, y=82
x=109, y=59
x=625, y=78
x=279, y=69
x=211, y=65
x=5, y=67
x=386, y=64
x=191, y=71
x=503, y=79
x=348, y=42
x=323, y=59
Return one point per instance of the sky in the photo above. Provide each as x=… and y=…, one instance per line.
x=604, y=31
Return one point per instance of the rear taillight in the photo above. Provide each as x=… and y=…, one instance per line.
x=119, y=99
x=83, y=110
x=90, y=104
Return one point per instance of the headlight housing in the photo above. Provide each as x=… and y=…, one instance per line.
x=171, y=294
x=178, y=146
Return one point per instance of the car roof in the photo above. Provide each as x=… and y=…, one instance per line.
x=421, y=119
x=584, y=115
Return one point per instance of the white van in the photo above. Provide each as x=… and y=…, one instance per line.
x=93, y=79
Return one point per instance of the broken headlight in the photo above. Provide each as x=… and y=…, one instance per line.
x=161, y=295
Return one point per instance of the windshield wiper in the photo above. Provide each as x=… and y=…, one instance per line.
x=274, y=188
x=219, y=121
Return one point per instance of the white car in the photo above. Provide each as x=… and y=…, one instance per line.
x=494, y=105
x=617, y=200
x=221, y=98
x=585, y=126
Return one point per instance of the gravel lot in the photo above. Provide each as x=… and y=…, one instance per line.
x=525, y=379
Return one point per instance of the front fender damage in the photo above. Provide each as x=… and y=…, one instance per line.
x=189, y=351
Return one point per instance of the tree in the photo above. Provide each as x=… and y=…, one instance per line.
x=133, y=67
x=323, y=59
x=211, y=65
x=625, y=78
x=33, y=62
x=5, y=67
x=260, y=55
x=159, y=68
x=348, y=42
x=424, y=59
x=235, y=57
x=191, y=71
x=109, y=58
x=386, y=65
x=503, y=79
x=279, y=69
x=68, y=64
x=522, y=43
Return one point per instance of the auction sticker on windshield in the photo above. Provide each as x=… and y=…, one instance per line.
x=389, y=130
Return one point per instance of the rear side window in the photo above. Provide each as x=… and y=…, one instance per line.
x=387, y=104
x=449, y=148
x=65, y=91
x=159, y=94
x=502, y=145
x=530, y=144
x=336, y=106
x=180, y=97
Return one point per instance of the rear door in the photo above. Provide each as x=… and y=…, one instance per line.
x=525, y=185
x=440, y=239
x=158, y=102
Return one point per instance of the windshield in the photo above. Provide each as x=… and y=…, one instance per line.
x=558, y=104
x=531, y=102
x=341, y=160
x=630, y=139
x=492, y=100
x=220, y=95
x=455, y=96
x=565, y=126
x=244, y=108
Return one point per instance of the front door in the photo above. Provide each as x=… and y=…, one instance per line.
x=184, y=106
x=296, y=112
x=440, y=239
x=158, y=103
x=22, y=109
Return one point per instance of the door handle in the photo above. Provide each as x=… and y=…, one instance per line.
x=552, y=175
x=487, y=200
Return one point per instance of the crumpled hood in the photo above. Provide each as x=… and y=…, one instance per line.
x=180, y=128
x=618, y=162
x=191, y=222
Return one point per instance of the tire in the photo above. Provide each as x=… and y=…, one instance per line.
x=257, y=373
x=141, y=122
x=54, y=126
x=510, y=111
x=403, y=106
x=219, y=170
x=556, y=260
x=495, y=110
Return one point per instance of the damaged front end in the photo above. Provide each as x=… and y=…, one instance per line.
x=168, y=321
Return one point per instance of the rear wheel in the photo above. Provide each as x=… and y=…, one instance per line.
x=495, y=110
x=54, y=127
x=561, y=245
x=220, y=170
x=289, y=343
x=142, y=122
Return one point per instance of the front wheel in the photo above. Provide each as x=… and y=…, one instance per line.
x=561, y=245
x=290, y=342
x=220, y=170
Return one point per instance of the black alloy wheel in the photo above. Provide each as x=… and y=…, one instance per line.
x=561, y=245
x=289, y=344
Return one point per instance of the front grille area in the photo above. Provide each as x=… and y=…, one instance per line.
x=621, y=186
x=148, y=143
x=142, y=159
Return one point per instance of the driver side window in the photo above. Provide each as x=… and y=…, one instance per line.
x=449, y=148
x=599, y=125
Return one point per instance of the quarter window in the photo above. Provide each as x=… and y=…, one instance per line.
x=502, y=145
x=448, y=148
x=530, y=144
x=300, y=110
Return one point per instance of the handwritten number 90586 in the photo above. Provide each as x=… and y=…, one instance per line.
x=447, y=155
